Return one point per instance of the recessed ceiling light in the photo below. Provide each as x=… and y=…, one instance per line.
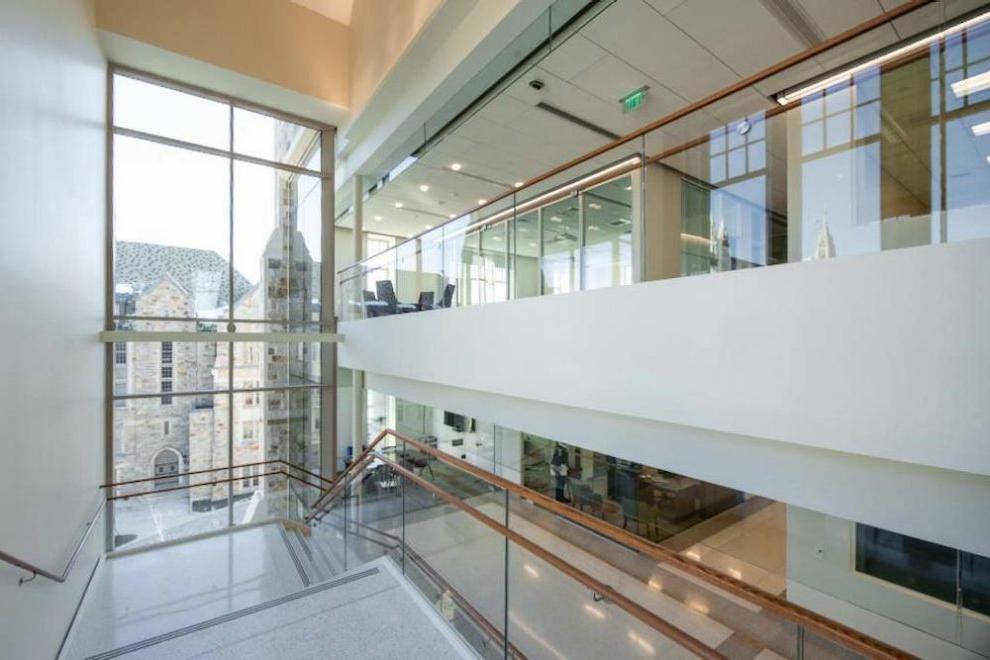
x=428, y=227
x=482, y=201
x=556, y=218
x=594, y=205
x=424, y=188
x=456, y=167
x=398, y=205
x=519, y=184
x=452, y=216
x=378, y=217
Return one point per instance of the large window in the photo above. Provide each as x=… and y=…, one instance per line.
x=932, y=569
x=217, y=227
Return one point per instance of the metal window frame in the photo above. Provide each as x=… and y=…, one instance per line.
x=325, y=139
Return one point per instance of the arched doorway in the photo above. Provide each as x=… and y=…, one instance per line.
x=166, y=466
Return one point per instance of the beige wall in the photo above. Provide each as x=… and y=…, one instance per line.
x=381, y=30
x=275, y=41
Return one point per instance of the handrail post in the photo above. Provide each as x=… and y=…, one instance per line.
x=402, y=487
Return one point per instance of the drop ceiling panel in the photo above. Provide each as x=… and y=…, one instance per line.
x=572, y=57
x=636, y=33
x=834, y=16
x=744, y=35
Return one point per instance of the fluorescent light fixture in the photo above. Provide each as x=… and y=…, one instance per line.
x=556, y=218
x=518, y=184
x=961, y=88
x=424, y=188
x=397, y=205
x=456, y=167
x=971, y=85
x=981, y=129
x=482, y=201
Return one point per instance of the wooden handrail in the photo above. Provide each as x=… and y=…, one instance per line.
x=218, y=469
x=631, y=607
x=814, y=622
x=715, y=97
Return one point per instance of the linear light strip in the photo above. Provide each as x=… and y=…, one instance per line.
x=789, y=97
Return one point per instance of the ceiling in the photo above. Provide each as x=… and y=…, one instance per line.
x=683, y=50
x=337, y=10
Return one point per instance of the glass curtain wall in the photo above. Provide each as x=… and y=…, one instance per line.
x=217, y=227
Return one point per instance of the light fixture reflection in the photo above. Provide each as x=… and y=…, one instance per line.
x=398, y=205
x=981, y=129
x=594, y=611
x=456, y=167
x=424, y=188
x=961, y=88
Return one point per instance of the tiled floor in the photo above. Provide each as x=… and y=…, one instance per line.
x=136, y=596
x=372, y=616
x=754, y=549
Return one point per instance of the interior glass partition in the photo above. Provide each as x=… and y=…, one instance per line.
x=874, y=152
x=217, y=227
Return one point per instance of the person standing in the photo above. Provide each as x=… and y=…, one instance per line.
x=558, y=472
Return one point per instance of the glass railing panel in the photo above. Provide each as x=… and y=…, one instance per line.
x=372, y=515
x=607, y=225
x=461, y=560
x=688, y=602
x=351, y=298
x=524, y=255
x=870, y=146
x=552, y=615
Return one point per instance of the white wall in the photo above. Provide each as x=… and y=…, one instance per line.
x=821, y=575
x=52, y=97
x=883, y=355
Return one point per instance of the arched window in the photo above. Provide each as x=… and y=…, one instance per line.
x=167, y=465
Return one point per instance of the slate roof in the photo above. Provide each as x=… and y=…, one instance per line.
x=203, y=273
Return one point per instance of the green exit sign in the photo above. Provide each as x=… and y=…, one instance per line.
x=633, y=100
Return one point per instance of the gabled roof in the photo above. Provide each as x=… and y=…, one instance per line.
x=203, y=273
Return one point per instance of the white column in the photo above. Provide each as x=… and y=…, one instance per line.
x=359, y=413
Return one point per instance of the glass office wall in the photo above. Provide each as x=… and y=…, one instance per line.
x=889, y=152
x=208, y=241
